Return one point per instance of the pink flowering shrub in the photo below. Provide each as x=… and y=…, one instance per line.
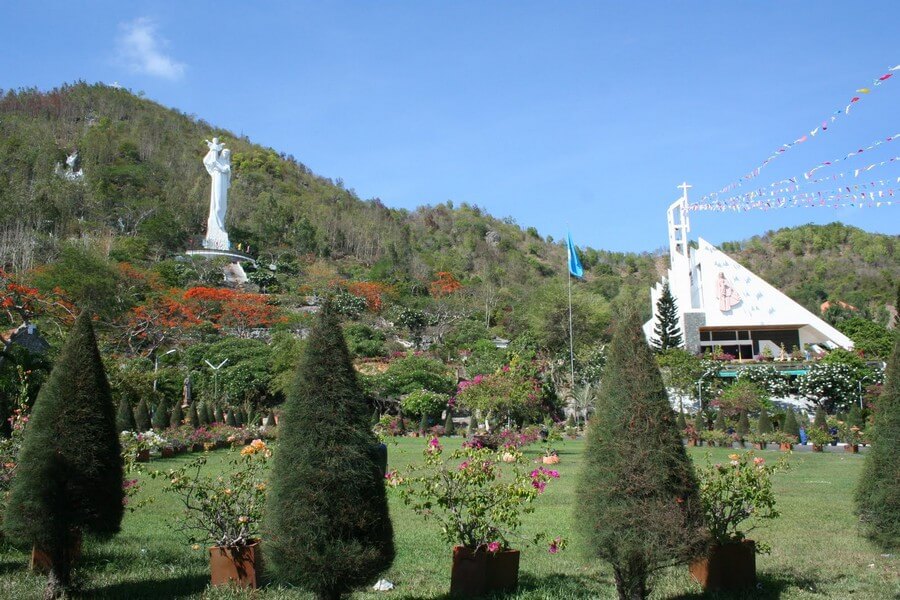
x=478, y=498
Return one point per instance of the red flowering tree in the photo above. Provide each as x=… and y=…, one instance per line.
x=157, y=322
x=444, y=285
x=236, y=311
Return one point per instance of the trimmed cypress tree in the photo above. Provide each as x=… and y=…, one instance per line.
x=855, y=417
x=201, y=414
x=160, y=418
x=142, y=416
x=720, y=424
x=820, y=421
x=177, y=415
x=328, y=529
x=764, y=424
x=666, y=332
x=791, y=426
x=878, y=491
x=449, y=426
x=69, y=476
x=231, y=420
x=220, y=418
x=637, y=497
x=210, y=413
x=680, y=422
x=192, y=416
x=743, y=426
x=125, y=416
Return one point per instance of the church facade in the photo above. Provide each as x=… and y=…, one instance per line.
x=723, y=304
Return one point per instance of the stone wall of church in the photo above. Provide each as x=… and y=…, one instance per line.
x=693, y=321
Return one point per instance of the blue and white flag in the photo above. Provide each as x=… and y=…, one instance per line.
x=574, y=264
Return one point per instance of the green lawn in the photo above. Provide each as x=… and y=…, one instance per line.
x=816, y=552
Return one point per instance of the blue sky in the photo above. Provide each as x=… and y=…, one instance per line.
x=580, y=113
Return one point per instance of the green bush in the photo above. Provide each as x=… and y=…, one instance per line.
x=637, y=446
x=69, y=476
x=125, y=416
x=192, y=416
x=142, y=416
x=763, y=424
x=177, y=417
x=160, y=418
x=791, y=426
x=328, y=529
x=743, y=426
x=878, y=493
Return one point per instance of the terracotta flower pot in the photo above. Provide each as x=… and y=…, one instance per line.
x=852, y=448
x=761, y=445
x=236, y=564
x=482, y=572
x=40, y=560
x=553, y=459
x=167, y=452
x=818, y=448
x=726, y=567
x=143, y=456
x=691, y=442
x=786, y=447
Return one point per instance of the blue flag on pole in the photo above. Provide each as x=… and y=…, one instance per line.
x=574, y=264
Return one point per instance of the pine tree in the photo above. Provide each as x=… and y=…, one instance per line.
x=231, y=420
x=210, y=414
x=720, y=425
x=743, y=426
x=680, y=422
x=791, y=427
x=69, y=476
x=667, y=333
x=637, y=446
x=855, y=417
x=763, y=425
x=142, y=416
x=220, y=418
x=177, y=415
x=878, y=492
x=820, y=421
x=192, y=416
x=125, y=416
x=160, y=418
x=327, y=530
x=202, y=415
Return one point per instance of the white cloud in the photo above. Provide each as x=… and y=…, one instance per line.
x=141, y=49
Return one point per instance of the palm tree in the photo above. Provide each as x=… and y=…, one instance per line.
x=583, y=400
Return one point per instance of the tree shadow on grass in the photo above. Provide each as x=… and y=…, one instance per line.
x=769, y=586
x=175, y=587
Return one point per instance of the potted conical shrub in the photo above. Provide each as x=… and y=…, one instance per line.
x=69, y=479
x=638, y=505
x=327, y=530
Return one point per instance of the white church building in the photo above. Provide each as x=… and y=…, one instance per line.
x=721, y=303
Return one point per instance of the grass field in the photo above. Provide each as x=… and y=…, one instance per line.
x=816, y=552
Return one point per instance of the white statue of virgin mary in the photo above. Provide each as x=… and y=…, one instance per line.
x=218, y=164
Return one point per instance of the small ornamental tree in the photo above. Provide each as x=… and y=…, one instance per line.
x=878, y=494
x=791, y=426
x=210, y=413
x=666, y=332
x=680, y=422
x=231, y=420
x=160, y=418
x=328, y=529
x=820, y=421
x=192, y=416
x=720, y=425
x=125, y=416
x=69, y=476
x=638, y=499
x=142, y=416
x=220, y=418
x=202, y=415
x=449, y=425
x=177, y=415
x=855, y=417
x=763, y=424
x=743, y=426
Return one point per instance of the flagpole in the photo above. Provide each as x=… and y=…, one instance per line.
x=571, y=335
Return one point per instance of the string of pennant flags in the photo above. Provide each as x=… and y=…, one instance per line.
x=811, y=134
x=843, y=197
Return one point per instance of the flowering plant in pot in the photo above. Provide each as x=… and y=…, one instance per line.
x=736, y=496
x=224, y=510
x=784, y=440
x=479, y=500
x=852, y=436
x=760, y=440
x=819, y=438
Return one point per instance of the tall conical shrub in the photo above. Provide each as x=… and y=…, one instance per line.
x=142, y=416
x=125, y=416
x=680, y=422
x=202, y=415
x=69, y=475
x=177, y=415
x=192, y=416
x=720, y=425
x=855, y=417
x=328, y=529
x=820, y=421
x=210, y=413
x=231, y=420
x=220, y=418
x=878, y=492
x=791, y=426
x=160, y=419
x=449, y=426
x=763, y=424
x=743, y=426
x=638, y=502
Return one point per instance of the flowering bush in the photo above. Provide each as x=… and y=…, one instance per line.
x=735, y=492
x=222, y=509
x=515, y=390
x=476, y=494
x=831, y=385
x=851, y=434
x=424, y=402
x=134, y=442
x=818, y=437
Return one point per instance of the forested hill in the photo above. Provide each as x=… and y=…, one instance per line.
x=144, y=195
